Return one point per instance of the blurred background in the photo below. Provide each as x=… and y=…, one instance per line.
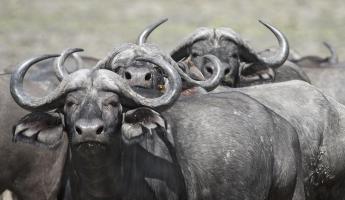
x=31, y=28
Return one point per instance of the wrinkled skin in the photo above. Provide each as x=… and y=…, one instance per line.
x=319, y=121
x=30, y=172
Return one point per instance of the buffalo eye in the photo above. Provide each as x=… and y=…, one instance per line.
x=235, y=55
x=195, y=54
x=117, y=69
x=112, y=102
x=71, y=102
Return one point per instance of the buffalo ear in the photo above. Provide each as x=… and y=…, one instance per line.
x=140, y=122
x=39, y=128
x=191, y=69
x=250, y=73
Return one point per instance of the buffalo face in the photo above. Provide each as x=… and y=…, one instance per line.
x=225, y=51
x=141, y=76
x=92, y=118
x=236, y=55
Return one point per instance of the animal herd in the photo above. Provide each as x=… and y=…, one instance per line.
x=213, y=119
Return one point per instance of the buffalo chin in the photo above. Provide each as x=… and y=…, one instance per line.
x=90, y=148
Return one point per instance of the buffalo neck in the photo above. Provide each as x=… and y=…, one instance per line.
x=97, y=175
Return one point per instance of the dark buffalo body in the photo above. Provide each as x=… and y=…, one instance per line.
x=31, y=172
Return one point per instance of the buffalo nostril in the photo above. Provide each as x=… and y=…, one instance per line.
x=227, y=71
x=99, y=130
x=128, y=75
x=78, y=130
x=209, y=70
x=148, y=76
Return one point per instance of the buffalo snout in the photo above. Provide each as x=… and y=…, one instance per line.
x=89, y=130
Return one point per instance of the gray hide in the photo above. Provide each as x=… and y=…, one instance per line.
x=325, y=73
x=233, y=140
x=258, y=149
x=31, y=172
x=320, y=124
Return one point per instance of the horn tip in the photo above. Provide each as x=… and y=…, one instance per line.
x=78, y=49
x=161, y=21
x=264, y=23
x=326, y=44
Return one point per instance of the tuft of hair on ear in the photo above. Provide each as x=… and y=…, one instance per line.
x=39, y=128
x=140, y=122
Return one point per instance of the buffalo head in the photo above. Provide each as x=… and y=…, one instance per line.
x=144, y=75
x=92, y=100
x=317, y=61
x=240, y=62
x=95, y=108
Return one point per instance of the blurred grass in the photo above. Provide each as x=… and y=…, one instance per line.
x=30, y=28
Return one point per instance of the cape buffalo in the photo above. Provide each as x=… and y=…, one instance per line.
x=317, y=61
x=242, y=65
x=256, y=156
x=28, y=170
x=31, y=172
x=92, y=116
x=325, y=73
x=319, y=121
x=145, y=75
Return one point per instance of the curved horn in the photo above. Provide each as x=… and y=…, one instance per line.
x=60, y=69
x=78, y=60
x=116, y=83
x=148, y=30
x=29, y=102
x=210, y=83
x=333, y=59
x=106, y=62
x=251, y=55
x=283, y=51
